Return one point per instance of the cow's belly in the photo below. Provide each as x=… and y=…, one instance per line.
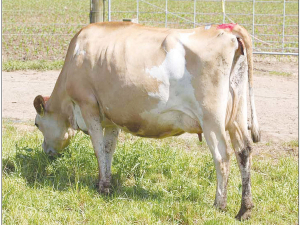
x=165, y=122
x=160, y=125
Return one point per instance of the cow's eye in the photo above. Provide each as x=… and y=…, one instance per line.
x=36, y=125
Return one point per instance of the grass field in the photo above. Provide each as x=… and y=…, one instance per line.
x=169, y=181
x=41, y=30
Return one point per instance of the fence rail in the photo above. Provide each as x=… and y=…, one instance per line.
x=42, y=30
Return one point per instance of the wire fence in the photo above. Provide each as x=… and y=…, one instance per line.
x=42, y=30
x=273, y=24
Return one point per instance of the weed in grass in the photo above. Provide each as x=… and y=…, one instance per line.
x=292, y=147
x=268, y=144
x=292, y=143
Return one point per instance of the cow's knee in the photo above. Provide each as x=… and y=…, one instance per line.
x=110, y=139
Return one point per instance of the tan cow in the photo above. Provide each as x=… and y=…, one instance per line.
x=156, y=82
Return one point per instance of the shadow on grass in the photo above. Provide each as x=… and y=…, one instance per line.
x=62, y=172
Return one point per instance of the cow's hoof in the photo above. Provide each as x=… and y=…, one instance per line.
x=104, y=188
x=105, y=191
x=243, y=214
x=256, y=137
x=220, y=205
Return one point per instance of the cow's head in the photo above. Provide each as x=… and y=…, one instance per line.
x=54, y=126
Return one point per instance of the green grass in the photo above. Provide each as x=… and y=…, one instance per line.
x=13, y=65
x=42, y=30
x=277, y=73
x=169, y=181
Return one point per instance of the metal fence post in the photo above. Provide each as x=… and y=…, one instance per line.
x=223, y=9
x=109, y=10
x=137, y=10
x=166, y=20
x=195, y=13
x=283, y=23
x=97, y=11
x=253, y=23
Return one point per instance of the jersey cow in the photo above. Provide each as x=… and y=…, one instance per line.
x=156, y=82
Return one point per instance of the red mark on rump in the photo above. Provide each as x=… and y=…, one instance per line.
x=230, y=26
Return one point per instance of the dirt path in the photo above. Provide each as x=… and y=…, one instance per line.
x=276, y=95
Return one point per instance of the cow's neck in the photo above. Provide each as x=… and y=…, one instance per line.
x=59, y=101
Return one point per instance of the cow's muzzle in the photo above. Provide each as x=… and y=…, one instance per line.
x=48, y=150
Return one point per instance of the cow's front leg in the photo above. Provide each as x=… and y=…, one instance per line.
x=92, y=118
x=110, y=141
x=96, y=133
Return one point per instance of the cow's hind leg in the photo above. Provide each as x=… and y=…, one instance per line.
x=216, y=139
x=242, y=147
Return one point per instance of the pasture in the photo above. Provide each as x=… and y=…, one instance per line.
x=169, y=181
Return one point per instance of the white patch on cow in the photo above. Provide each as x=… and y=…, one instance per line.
x=185, y=37
x=175, y=92
x=77, y=50
x=207, y=27
x=79, y=119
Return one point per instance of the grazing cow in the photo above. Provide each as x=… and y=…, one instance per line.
x=156, y=82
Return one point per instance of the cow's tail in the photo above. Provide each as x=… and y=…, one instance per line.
x=242, y=33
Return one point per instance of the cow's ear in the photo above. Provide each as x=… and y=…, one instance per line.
x=39, y=104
